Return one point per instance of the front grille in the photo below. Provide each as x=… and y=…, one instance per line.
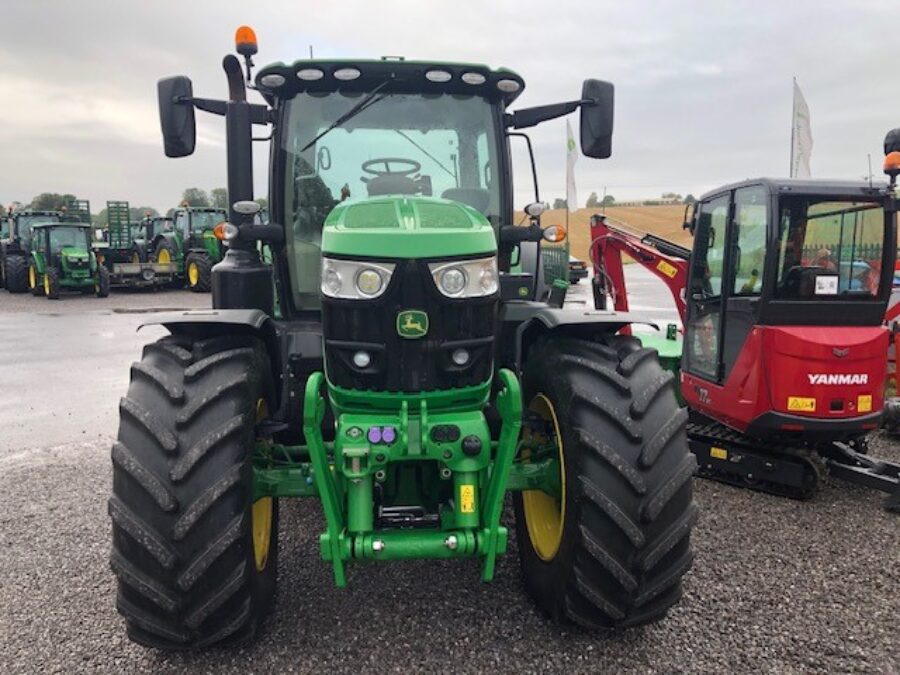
x=409, y=365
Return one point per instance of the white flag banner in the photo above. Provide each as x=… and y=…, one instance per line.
x=801, y=137
x=571, y=158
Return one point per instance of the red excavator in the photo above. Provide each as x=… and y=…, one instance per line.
x=782, y=360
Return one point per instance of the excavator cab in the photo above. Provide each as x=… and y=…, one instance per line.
x=788, y=283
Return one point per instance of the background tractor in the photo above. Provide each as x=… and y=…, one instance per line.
x=15, y=248
x=784, y=355
x=397, y=361
x=190, y=244
x=62, y=258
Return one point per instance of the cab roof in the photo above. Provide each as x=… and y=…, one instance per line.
x=65, y=223
x=826, y=187
x=408, y=77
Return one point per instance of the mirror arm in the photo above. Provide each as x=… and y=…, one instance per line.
x=259, y=113
x=529, y=117
x=205, y=104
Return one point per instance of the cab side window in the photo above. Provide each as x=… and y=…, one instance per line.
x=750, y=221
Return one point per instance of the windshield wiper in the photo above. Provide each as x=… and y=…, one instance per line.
x=369, y=100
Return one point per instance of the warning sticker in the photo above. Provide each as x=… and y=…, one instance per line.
x=801, y=404
x=864, y=403
x=667, y=269
x=826, y=285
x=718, y=453
x=467, y=499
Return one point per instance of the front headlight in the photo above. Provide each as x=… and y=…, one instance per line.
x=466, y=278
x=352, y=280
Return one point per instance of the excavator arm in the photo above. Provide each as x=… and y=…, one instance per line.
x=668, y=261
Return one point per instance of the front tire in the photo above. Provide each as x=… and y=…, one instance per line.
x=51, y=283
x=198, y=271
x=195, y=557
x=613, y=552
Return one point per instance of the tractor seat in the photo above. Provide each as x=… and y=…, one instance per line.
x=478, y=198
x=391, y=185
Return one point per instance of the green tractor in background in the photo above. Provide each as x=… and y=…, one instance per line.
x=15, y=246
x=191, y=244
x=62, y=257
x=399, y=361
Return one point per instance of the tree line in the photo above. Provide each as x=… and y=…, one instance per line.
x=594, y=201
x=53, y=201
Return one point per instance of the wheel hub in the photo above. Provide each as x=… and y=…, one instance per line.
x=545, y=515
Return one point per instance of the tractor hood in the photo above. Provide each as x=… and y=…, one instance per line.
x=75, y=254
x=407, y=227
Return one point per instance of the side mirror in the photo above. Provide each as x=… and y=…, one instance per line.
x=176, y=116
x=597, y=118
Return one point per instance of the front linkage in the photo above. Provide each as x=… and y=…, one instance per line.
x=348, y=473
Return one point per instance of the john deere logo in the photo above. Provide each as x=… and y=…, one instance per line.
x=412, y=324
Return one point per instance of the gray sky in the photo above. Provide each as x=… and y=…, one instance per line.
x=703, y=89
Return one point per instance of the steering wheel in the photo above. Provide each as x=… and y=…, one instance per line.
x=413, y=165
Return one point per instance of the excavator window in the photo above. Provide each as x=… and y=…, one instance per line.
x=829, y=249
x=750, y=226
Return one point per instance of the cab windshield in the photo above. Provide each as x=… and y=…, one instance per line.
x=436, y=145
x=829, y=248
x=63, y=237
x=205, y=220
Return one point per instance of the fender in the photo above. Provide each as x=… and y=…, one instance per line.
x=203, y=323
x=39, y=262
x=536, y=319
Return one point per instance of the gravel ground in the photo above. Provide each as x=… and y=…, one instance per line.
x=777, y=586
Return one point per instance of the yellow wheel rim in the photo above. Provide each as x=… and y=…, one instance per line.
x=261, y=512
x=193, y=273
x=545, y=515
x=32, y=277
x=135, y=258
x=47, y=284
x=163, y=257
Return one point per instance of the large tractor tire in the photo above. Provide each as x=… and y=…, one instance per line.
x=51, y=284
x=16, y=274
x=610, y=552
x=198, y=272
x=195, y=557
x=35, y=280
x=101, y=283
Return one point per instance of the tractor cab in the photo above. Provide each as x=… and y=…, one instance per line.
x=787, y=288
x=65, y=245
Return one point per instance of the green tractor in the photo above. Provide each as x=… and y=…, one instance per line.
x=62, y=258
x=15, y=246
x=191, y=244
x=390, y=364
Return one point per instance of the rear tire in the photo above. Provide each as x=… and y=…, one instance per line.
x=101, y=285
x=198, y=272
x=182, y=511
x=16, y=274
x=624, y=540
x=35, y=280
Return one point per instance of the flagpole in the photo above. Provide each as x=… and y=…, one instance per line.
x=793, y=123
